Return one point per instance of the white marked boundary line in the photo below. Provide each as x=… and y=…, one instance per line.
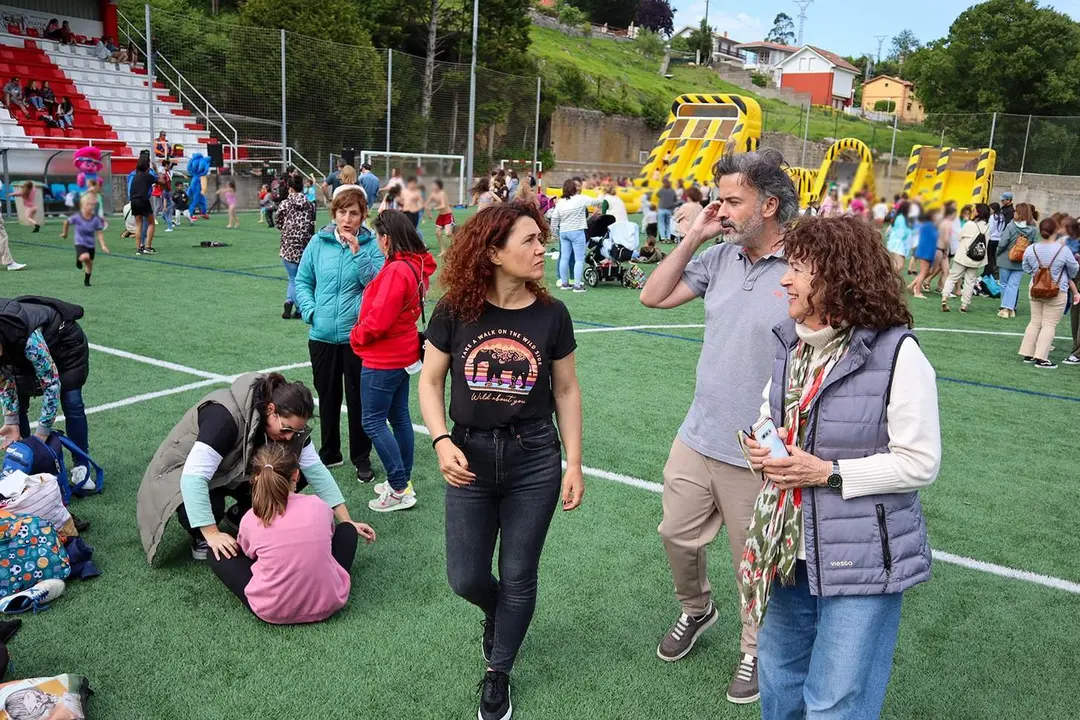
x=156, y=363
x=939, y=555
x=961, y=331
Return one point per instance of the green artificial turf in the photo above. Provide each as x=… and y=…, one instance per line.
x=171, y=642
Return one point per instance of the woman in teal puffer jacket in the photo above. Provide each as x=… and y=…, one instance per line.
x=335, y=268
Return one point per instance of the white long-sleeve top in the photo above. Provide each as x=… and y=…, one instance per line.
x=571, y=214
x=914, y=455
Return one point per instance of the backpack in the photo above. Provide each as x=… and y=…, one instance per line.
x=1020, y=245
x=34, y=456
x=1043, y=284
x=977, y=249
x=990, y=284
x=31, y=550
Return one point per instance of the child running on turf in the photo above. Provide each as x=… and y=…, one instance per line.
x=295, y=563
x=88, y=225
x=229, y=193
x=439, y=206
x=29, y=206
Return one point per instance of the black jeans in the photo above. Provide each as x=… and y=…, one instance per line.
x=518, y=481
x=241, y=494
x=330, y=365
x=235, y=572
x=991, y=258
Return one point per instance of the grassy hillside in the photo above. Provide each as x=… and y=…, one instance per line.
x=615, y=77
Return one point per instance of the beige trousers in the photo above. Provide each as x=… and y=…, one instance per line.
x=957, y=271
x=1039, y=335
x=5, y=253
x=701, y=495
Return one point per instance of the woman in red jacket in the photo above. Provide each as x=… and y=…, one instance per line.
x=386, y=340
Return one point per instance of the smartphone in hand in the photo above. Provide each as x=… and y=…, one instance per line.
x=765, y=433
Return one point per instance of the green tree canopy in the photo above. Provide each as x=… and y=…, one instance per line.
x=783, y=30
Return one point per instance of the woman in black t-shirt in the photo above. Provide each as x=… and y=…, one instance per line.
x=509, y=349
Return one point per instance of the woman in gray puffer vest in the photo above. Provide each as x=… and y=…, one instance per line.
x=838, y=532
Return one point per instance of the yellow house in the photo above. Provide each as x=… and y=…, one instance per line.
x=900, y=92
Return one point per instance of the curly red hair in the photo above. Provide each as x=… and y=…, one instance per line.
x=854, y=277
x=467, y=269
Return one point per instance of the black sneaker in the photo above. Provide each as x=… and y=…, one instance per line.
x=80, y=524
x=333, y=461
x=1045, y=364
x=140, y=251
x=364, y=473
x=151, y=251
x=1072, y=360
x=199, y=548
x=286, y=313
x=1028, y=358
x=231, y=521
x=744, y=686
x=487, y=645
x=494, y=692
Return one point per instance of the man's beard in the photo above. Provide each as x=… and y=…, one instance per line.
x=748, y=234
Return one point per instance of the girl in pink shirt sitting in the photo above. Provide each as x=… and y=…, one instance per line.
x=295, y=563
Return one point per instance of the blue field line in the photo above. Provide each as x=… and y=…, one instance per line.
x=170, y=263
x=958, y=381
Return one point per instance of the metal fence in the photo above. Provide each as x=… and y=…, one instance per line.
x=269, y=94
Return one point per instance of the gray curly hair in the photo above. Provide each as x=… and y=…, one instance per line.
x=762, y=170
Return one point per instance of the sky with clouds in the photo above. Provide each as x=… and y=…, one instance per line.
x=835, y=25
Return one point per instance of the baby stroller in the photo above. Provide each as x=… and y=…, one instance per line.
x=609, y=244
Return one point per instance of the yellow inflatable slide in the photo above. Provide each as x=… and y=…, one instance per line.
x=937, y=175
x=850, y=165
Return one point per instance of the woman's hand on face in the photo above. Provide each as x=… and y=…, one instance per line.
x=365, y=531
x=222, y=544
x=573, y=488
x=453, y=465
x=350, y=240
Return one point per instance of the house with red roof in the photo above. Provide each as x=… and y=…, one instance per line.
x=828, y=78
x=765, y=57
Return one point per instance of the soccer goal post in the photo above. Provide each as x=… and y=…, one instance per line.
x=526, y=164
x=422, y=165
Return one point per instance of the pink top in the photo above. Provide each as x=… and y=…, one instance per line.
x=295, y=579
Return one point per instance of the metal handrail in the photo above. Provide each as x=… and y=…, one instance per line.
x=293, y=151
x=182, y=95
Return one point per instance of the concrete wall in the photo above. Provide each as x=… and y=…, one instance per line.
x=591, y=141
x=742, y=78
x=1048, y=193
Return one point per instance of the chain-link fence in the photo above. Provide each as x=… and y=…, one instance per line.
x=335, y=96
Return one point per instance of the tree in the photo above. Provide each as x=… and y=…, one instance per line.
x=783, y=30
x=701, y=40
x=903, y=45
x=616, y=13
x=657, y=16
x=649, y=43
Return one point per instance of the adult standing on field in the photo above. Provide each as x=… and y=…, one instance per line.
x=838, y=532
x=501, y=460
x=335, y=268
x=666, y=200
x=1052, y=265
x=295, y=219
x=370, y=182
x=970, y=258
x=706, y=481
x=1022, y=229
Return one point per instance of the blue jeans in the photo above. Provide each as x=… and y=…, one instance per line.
x=571, y=242
x=75, y=426
x=518, y=480
x=290, y=289
x=167, y=208
x=1010, y=287
x=825, y=657
x=384, y=395
x=663, y=224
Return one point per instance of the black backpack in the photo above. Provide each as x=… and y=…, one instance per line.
x=977, y=249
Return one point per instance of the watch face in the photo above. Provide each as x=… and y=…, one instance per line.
x=835, y=481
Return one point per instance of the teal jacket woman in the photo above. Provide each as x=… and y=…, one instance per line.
x=336, y=266
x=330, y=283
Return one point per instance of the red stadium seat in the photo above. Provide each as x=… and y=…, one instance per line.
x=14, y=30
x=32, y=32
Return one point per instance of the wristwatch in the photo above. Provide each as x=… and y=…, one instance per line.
x=835, y=481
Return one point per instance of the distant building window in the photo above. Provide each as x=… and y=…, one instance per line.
x=763, y=57
x=886, y=83
x=909, y=107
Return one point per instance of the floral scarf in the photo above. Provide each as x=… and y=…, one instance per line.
x=776, y=527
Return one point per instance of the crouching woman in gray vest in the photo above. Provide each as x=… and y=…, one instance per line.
x=207, y=458
x=838, y=532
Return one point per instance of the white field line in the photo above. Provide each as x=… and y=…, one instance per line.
x=939, y=555
x=980, y=332
x=156, y=363
x=961, y=331
x=633, y=327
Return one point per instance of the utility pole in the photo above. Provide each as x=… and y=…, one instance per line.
x=802, y=5
x=880, y=41
x=472, y=95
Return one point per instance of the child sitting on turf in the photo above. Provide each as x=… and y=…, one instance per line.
x=295, y=563
x=88, y=225
x=648, y=253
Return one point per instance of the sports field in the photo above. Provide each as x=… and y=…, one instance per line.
x=994, y=634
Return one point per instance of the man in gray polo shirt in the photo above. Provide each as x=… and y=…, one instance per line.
x=706, y=481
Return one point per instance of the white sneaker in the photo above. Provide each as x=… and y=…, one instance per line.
x=1072, y=360
x=383, y=486
x=16, y=266
x=560, y=286
x=168, y=229
x=35, y=598
x=388, y=501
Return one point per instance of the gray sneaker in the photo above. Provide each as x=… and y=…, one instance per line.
x=683, y=634
x=743, y=689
